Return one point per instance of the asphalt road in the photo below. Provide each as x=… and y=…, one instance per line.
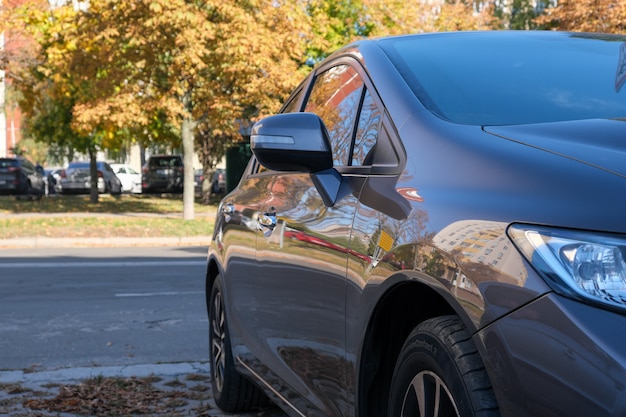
x=69, y=314
x=76, y=307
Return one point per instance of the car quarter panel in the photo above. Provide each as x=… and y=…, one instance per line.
x=556, y=356
x=463, y=189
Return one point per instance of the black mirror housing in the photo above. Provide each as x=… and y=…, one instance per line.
x=292, y=142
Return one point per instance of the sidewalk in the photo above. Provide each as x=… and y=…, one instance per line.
x=180, y=389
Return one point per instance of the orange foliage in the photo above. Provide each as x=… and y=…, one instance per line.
x=608, y=16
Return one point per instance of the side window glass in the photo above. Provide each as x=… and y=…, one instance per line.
x=367, y=132
x=335, y=98
x=29, y=166
x=292, y=105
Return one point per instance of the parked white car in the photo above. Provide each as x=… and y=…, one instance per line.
x=130, y=178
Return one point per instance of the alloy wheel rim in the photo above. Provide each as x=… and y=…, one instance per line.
x=428, y=396
x=217, y=341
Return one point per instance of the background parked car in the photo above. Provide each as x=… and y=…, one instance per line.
x=218, y=181
x=433, y=226
x=198, y=179
x=51, y=178
x=131, y=179
x=20, y=177
x=217, y=184
x=76, y=179
x=163, y=174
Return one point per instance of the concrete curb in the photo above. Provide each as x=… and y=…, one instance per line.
x=77, y=374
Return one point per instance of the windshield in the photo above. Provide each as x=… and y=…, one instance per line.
x=500, y=78
x=6, y=163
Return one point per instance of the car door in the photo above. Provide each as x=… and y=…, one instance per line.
x=296, y=323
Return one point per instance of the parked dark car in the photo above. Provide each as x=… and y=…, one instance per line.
x=76, y=179
x=198, y=179
x=51, y=178
x=163, y=174
x=21, y=178
x=433, y=226
x=218, y=181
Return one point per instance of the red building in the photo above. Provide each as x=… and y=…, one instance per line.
x=10, y=115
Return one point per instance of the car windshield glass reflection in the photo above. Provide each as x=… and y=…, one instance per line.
x=513, y=80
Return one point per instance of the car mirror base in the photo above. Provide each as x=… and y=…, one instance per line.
x=328, y=183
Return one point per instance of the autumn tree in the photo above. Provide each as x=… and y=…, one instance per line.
x=198, y=63
x=41, y=77
x=521, y=14
x=608, y=16
x=460, y=15
x=339, y=22
x=336, y=23
x=148, y=66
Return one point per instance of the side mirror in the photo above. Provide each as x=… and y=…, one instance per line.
x=298, y=142
x=292, y=142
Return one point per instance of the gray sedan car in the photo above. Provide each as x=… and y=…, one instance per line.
x=76, y=179
x=433, y=225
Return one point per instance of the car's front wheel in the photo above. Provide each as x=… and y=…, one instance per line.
x=440, y=374
x=231, y=391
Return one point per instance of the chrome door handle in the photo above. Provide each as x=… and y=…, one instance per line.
x=267, y=220
x=228, y=208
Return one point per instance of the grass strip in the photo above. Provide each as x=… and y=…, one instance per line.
x=103, y=227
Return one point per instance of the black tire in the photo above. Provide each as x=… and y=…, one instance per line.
x=115, y=193
x=27, y=194
x=231, y=391
x=439, y=373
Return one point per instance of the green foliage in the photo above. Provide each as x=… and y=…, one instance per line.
x=521, y=14
x=335, y=22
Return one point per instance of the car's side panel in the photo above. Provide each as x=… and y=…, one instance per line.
x=233, y=245
x=290, y=311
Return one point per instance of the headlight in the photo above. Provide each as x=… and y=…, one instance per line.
x=582, y=265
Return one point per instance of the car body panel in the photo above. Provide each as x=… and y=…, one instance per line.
x=130, y=179
x=536, y=352
x=76, y=179
x=277, y=276
x=218, y=181
x=52, y=176
x=18, y=176
x=163, y=174
x=423, y=237
x=570, y=139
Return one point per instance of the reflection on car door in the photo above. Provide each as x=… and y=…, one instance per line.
x=301, y=257
x=302, y=268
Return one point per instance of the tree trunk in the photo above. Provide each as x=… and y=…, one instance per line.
x=93, y=173
x=188, y=187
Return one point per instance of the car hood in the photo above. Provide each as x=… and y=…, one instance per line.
x=597, y=142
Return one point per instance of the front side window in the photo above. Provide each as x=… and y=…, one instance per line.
x=292, y=105
x=367, y=132
x=335, y=98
